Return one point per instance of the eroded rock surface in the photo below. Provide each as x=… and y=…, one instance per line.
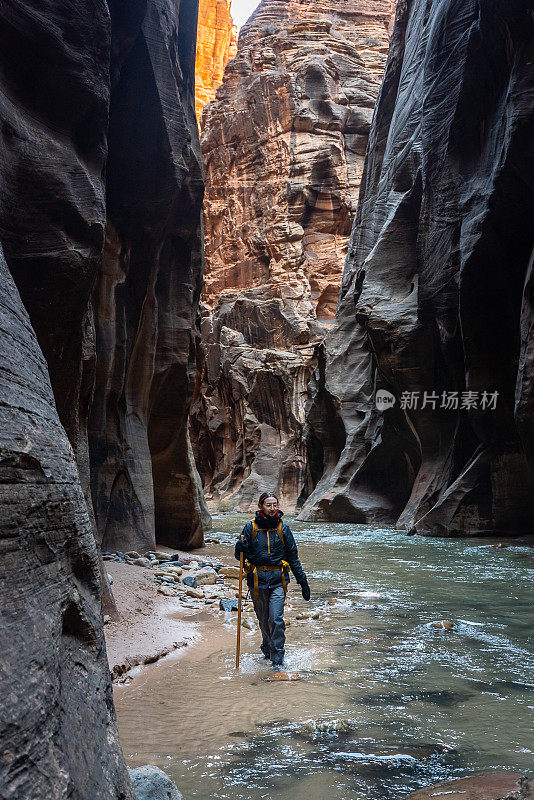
x=100, y=145
x=151, y=783
x=283, y=147
x=216, y=45
x=437, y=291
x=145, y=301
x=58, y=731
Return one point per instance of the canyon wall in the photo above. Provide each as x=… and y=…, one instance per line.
x=283, y=146
x=100, y=144
x=437, y=291
x=58, y=731
x=216, y=45
x=97, y=358
x=144, y=482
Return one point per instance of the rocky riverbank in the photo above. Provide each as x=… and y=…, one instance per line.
x=159, y=595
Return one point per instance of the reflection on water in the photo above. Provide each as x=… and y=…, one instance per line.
x=388, y=702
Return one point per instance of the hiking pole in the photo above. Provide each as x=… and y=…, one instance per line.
x=238, y=643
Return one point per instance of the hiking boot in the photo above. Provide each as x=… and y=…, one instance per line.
x=266, y=652
x=277, y=666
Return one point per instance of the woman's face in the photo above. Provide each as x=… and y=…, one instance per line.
x=270, y=506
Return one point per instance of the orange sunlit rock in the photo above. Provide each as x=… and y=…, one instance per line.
x=216, y=45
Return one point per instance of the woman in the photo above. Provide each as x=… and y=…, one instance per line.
x=270, y=550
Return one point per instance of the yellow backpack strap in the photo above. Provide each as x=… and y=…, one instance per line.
x=280, y=533
x=254, y=530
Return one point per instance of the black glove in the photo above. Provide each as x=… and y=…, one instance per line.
x=305, y=588
x=240, y=547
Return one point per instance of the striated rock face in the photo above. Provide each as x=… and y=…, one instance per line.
x=216, y=45
x=100, y=144
x=145, y=301
x=283, y=147
x=437, y=291
x=58, y=732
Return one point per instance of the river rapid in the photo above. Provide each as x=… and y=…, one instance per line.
x=387, y=702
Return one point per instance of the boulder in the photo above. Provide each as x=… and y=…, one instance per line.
x=151, y=783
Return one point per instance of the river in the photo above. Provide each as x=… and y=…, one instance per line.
x=387, y=702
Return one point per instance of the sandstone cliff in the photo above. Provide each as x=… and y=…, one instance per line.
x=283, y=147
x=58, y=730
x=121, y=352
x=216, y=45
x=437, y=291
x=99, y=143
x=144, y=482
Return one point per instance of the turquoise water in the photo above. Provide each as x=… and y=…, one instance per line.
x=387, y=703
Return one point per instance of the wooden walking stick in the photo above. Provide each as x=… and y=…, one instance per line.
x=238, y=643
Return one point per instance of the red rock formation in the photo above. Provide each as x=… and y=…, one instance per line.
x=216, y=45
x=283, y=148
x=437, y=290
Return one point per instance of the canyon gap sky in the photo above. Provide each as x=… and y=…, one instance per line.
x=241, y=10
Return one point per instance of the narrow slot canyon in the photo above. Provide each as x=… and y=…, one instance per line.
x=266, y=295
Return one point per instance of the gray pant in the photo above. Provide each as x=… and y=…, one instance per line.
x=269, y=608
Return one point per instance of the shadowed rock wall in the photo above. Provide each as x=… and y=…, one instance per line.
x=283, y=147
x=145, y=302
x=437, y=289
x=101, y=145
x=58, y=729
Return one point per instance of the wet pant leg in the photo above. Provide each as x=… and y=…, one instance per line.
x=277, y=626
x=261, y=607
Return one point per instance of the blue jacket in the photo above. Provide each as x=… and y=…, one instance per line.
x=267, y=550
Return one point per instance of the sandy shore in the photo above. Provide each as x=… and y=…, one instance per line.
x=151, y=624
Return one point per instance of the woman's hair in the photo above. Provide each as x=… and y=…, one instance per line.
x=264, y=496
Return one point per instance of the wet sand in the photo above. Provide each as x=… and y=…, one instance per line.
x=151, y=625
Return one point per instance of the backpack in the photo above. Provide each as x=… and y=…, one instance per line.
x=278, y=530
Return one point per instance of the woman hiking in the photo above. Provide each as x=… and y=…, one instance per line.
x=270, y=550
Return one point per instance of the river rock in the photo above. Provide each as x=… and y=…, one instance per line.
x=190, y=580
x=142, y=562
x=168, y=591
x=436, y=294
x=229, y=572
x=206, y=580
x=151, y=783
x=445, y=624
x=227, y=604
x=486, y=786
x=196, y=593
